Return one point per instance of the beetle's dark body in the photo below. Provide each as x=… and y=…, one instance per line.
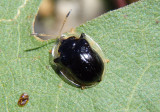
x=80, y=60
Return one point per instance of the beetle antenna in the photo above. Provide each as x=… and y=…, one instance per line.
x=64, y=22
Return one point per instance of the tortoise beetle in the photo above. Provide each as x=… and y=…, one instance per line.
x=79, y=60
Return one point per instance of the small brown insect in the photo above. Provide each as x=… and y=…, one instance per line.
x=23, y=100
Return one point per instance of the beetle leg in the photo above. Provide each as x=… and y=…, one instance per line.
x=106, y=61
x=82, y=87
x=50, y=51
x=57, y=60
x=99, y=80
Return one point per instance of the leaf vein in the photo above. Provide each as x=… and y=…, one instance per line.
x=135, y=87
x=18, y=13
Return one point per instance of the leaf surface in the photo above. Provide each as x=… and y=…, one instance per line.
x=129, y=38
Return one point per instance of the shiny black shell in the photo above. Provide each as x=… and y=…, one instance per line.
x=83, y=63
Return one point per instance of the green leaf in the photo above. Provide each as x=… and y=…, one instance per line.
x=130, y=39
